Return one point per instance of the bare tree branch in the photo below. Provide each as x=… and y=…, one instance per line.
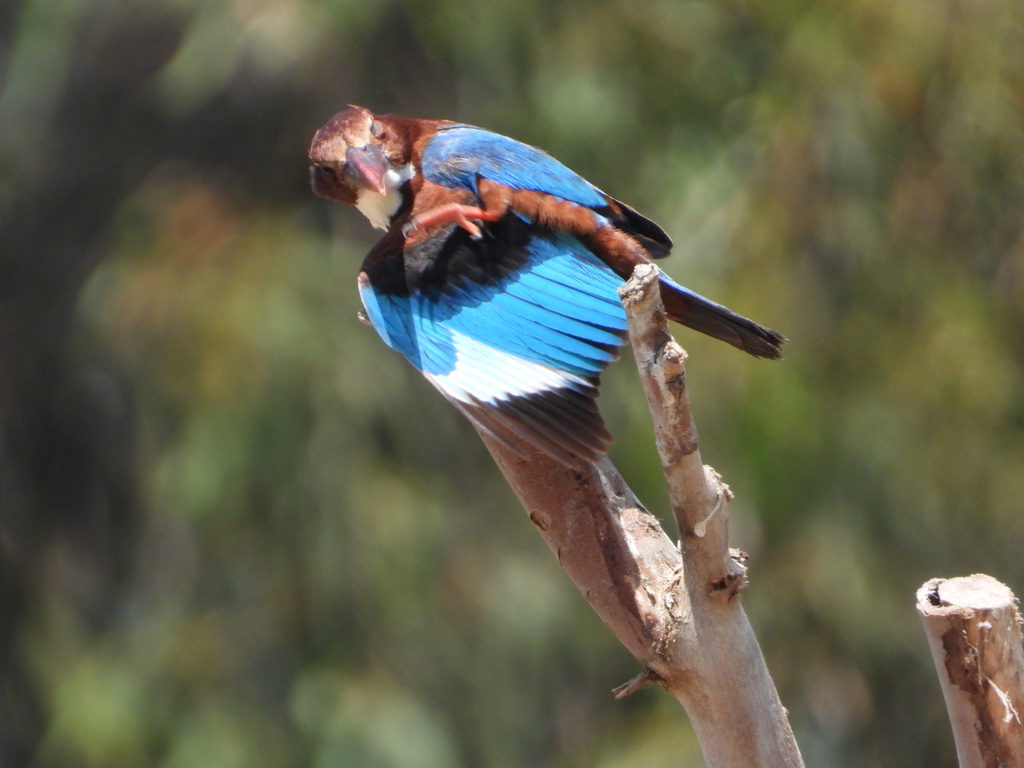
x=676, y=609
x=973, y=628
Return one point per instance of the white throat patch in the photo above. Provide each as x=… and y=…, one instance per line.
x=380, y=208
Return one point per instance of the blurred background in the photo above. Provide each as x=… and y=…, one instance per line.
x=237, y=530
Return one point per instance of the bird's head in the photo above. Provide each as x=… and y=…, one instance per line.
x=348, y=156
x=361, y=159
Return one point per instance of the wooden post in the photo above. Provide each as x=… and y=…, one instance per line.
x=973, y=628
x=675, y=608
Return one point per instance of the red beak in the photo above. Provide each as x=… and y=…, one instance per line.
x=365, y=167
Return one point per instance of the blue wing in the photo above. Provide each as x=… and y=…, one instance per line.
x=456, y=156
x=520, y=354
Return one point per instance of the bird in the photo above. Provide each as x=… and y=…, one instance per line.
x=497, y=273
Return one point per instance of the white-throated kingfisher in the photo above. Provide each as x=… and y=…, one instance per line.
x=497, y=273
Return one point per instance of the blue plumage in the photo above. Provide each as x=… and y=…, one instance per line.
x=497, y=276
x=458, y=156
x=559, y=309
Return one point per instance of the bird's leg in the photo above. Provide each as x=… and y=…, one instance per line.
x=452, y=213
x=620, y=251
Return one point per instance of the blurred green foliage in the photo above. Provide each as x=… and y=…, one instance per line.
x=236, y=530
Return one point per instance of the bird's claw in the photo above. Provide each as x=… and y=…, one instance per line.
x=453, y=213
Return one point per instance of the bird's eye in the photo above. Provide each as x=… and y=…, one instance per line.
x=376, y=130
x=327, y=171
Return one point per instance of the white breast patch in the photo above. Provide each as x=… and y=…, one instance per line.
x=380, y=208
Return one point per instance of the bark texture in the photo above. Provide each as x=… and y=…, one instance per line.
x=676, y=608
x=973, y=628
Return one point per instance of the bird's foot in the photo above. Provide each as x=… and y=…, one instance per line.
x=452, y=213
